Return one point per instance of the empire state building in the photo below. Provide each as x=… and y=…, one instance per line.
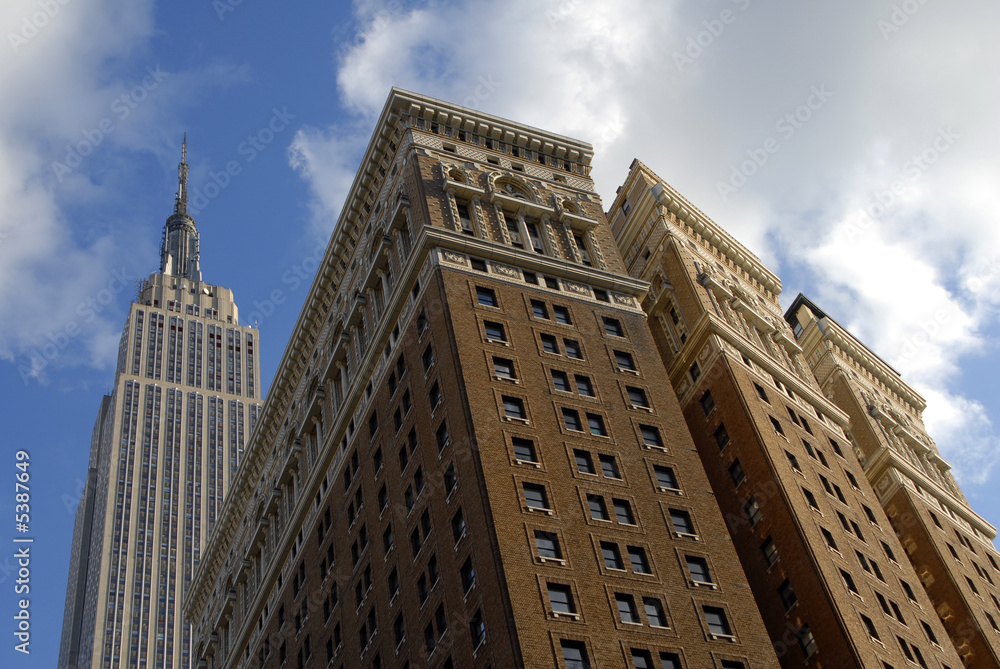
x=165, y=447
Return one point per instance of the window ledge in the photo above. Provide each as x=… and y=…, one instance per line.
x=536, y=465
x=686, y=535
x=549, y=560
x=510, y=419
x=676, y=491
x=535, y=509
x=705, y=584
x=722, y=637
x=508, y=379
x=560, y=614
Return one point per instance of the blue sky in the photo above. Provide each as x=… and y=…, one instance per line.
x=869, y=127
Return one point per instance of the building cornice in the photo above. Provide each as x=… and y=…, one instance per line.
x=667, y=196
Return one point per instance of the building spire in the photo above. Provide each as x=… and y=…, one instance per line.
x=180, y=204
x=179, y=253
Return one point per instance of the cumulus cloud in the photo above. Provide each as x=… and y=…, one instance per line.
x=82, y=96
x=903, y=142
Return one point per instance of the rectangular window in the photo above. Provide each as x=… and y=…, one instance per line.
x=642, y=659
x=787, y=594
x=468, y=575
x=434, y=396
x=549, y=344
x=575, y=654
x=514, y=408
x=718, y=624
x=596, y=423
x=794, y=462
x=612, y=556
x=655, y=613
x=777, y=426
x=627, y=612
x=504, y=368
x=442, y=436
x=695, y=371
x=721, y=436
x=613, y=327
x=752, y=510
x=571, y=419
x=698, y=568
x=539, y=310
x=487, y=297
x=623, y=512
x=651, y=436
x=637, y=558
x=562, y=314
x=561, y=598
x=609, y=466
x=598, y=508
x=535, y=496
x=584, y=462
x=547, y=544
x=458, y=526
x=495, y=331
x=637, y=396
x=560, y=381
x=665, y=477
x=535, y=238
x=707, y=402
x=673, y=661
x=513, y=231
x=573, y=349
x=736, y=473
x=428, y=357
x=584, y=386
x=806, y=641
x=524, y=449
x=681, y=520
x=625, y=361
x=761, y=393
x=769, y=551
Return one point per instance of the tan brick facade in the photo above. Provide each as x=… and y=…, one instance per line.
x=822, y=560
x=550, y=508
x=949, y=545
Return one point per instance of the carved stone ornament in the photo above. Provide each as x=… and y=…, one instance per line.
x=456, y=258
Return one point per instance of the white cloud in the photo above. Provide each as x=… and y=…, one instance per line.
x=328, y=160
x=609, y=73
x=81, y=97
